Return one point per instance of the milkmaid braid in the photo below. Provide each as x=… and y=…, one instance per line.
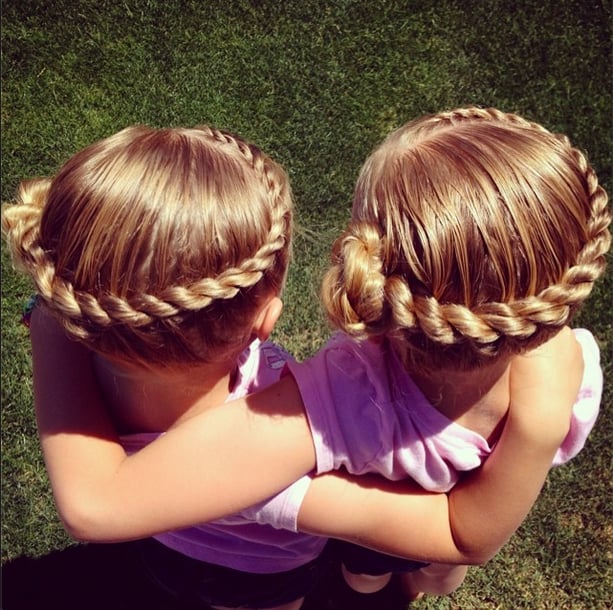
x=157, y=240
x=474, y=234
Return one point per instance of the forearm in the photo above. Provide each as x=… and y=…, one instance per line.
x=467, y=526
x=490, y=503
x=394, y=517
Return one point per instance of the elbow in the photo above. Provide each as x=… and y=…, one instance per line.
x=478, y=557
x=80, y=526
x=475, y=545
x=81, y=533
x=84, y=522
x=78, y=533
x=473, y=553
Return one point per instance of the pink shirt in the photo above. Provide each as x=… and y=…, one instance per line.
x=245, y=541
x=367, y=415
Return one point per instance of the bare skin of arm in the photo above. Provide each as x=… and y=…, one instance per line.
x=226, y=459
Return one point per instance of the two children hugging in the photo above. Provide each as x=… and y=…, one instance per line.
x=475, y=236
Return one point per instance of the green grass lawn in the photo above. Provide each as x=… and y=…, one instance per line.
x=316, y=85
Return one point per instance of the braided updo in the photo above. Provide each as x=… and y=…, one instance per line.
x=156, y=246
x=474, y=234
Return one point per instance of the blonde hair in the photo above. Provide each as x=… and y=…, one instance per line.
x=474, y=234
x=157, y=246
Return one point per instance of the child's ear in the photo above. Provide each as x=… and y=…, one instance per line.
x=267, y=318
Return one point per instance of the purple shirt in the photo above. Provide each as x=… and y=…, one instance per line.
x=367, y=415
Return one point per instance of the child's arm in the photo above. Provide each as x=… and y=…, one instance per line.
x=488, y=505
x=229, y=458
x=223, y=461
x=544, y=386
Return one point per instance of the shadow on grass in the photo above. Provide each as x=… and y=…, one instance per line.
x=111, y=577
x=81, y=577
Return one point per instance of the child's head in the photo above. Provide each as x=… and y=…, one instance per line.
x=474, y=235
x=157, y=246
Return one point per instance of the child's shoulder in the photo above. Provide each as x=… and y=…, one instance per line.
x=348, y=367
x=588, y=344
x=273, y=354
x=260, y=365
x=593, y=377
x=587, y=405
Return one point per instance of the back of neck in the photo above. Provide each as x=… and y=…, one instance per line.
x=142, y=400
x=477, y=399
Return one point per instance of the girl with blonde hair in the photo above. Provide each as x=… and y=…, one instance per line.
x=165, y=251
x=475, y=236
x=441, y=286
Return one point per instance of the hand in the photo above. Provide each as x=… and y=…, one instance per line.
x=544, y=384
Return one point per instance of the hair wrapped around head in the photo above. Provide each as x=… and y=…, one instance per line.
x=474, y=234
x=157, y=246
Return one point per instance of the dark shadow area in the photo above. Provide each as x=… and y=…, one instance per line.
x=111, y=577
x=81, y=577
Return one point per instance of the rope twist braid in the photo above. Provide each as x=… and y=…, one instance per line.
x=105, y=310
x=395, y=308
